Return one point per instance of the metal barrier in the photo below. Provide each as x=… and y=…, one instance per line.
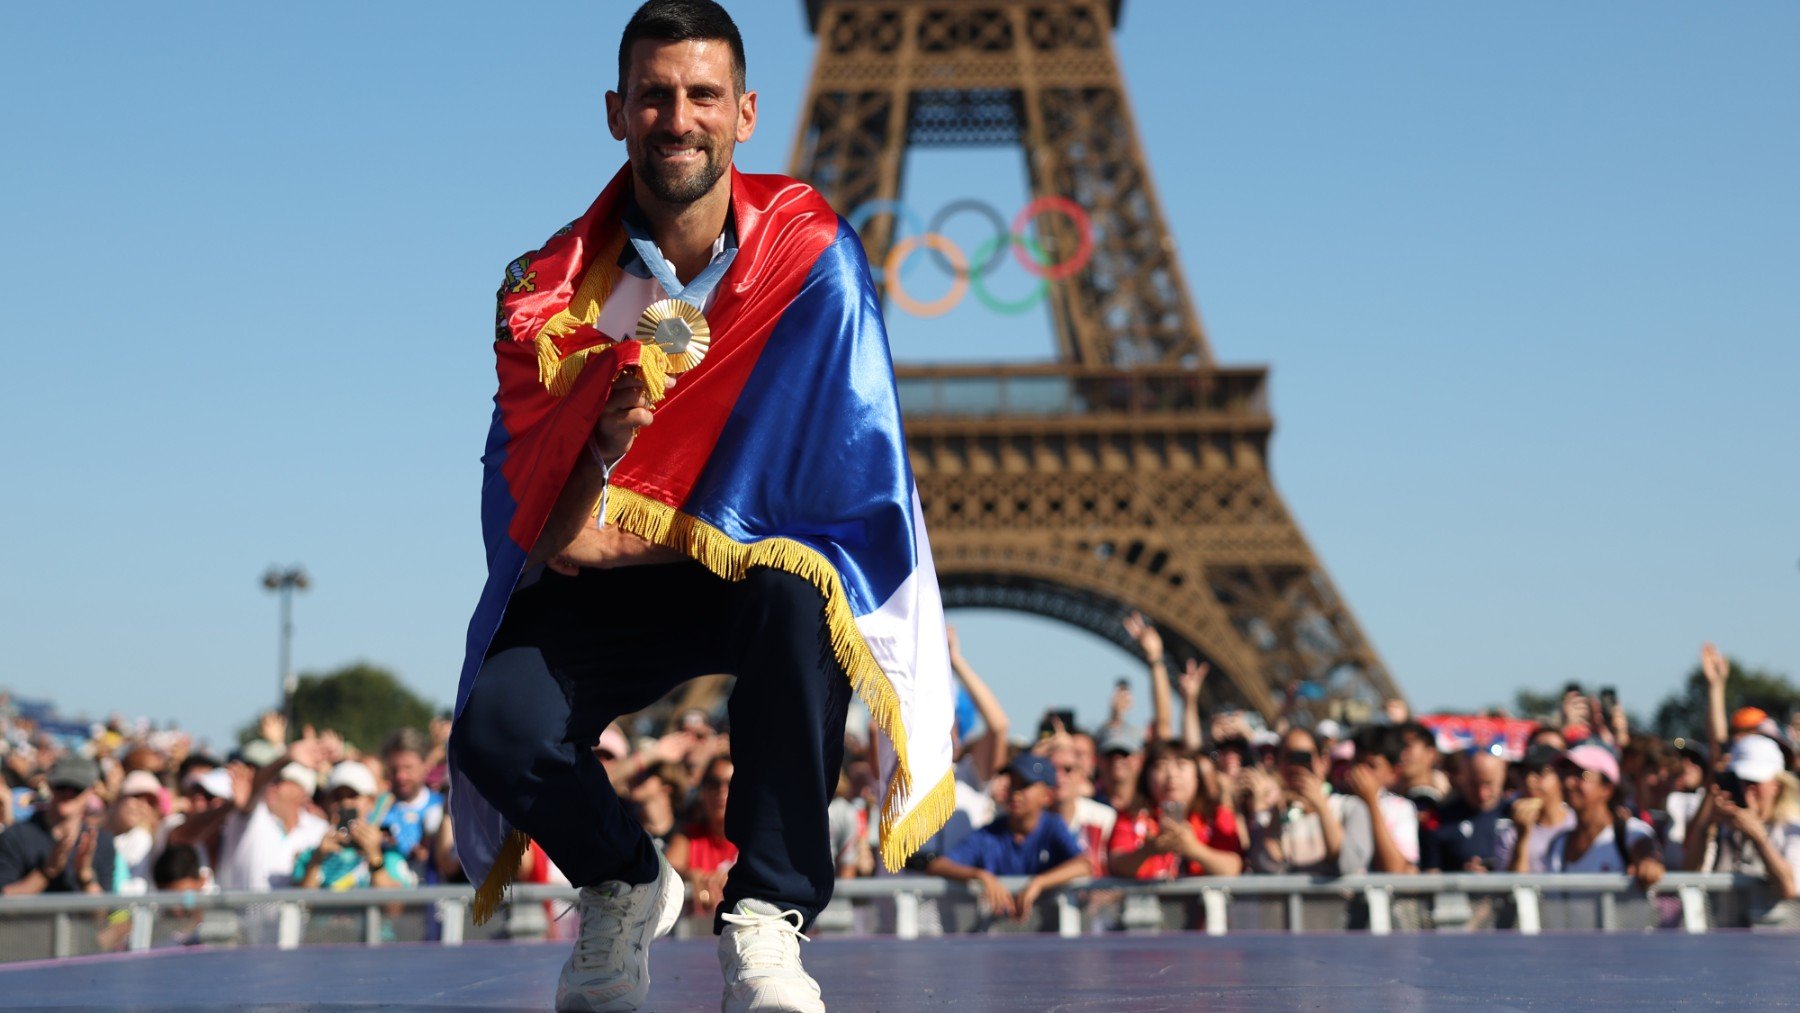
x=911, y=906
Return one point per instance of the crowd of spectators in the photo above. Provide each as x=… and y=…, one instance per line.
x=1193, y=793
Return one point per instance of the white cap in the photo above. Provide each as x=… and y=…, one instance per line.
x=215, y=782
x=1328, y=729
x=300, y=775
x=353, y=775
x=140, y=782
x=1756, y=758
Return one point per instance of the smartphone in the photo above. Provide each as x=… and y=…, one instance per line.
x=346, y=815
x=1735, y=787
x=1173, y=810
x=1122, y=684
x=1297, y=758
x=1573, y=687
x=1609, y=698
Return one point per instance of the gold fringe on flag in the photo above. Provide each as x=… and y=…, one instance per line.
x=901, y=836
x=663, y=525
x=500, y=876
x=557, y=371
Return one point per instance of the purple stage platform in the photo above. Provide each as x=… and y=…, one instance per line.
x=1167, y=972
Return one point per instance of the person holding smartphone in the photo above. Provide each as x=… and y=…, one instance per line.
x=1293, y=825
x=61, y=848
x=1178, y=825
x=356, y=852
x=1749, y=823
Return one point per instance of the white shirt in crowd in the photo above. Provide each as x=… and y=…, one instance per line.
x=1601, y=856
x=1357, y=854
x=1098, y=815
x=259, y=852
x=1736, y=853
x=136, y=850
x=1506, y=838
x=1682, y=807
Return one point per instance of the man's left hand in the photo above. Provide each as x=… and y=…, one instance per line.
x=605, y=548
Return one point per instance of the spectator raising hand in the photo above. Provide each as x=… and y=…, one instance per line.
x=1715, y=669
x=1149, y=641
x=988, y=749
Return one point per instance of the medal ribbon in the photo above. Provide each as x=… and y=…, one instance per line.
x=696, y=291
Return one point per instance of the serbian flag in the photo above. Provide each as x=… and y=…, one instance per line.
x=781, y=449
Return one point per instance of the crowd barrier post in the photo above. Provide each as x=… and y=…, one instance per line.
x=1068, y=915
x=1693, y=909
x=450, y=912
x=1381, y=910
x=1526, y=910
x=906, y=914
x=290, y=924
x=143, y=921
x=1213, y=901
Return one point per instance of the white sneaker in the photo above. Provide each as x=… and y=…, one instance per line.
x=759, y=952
x=610, y=968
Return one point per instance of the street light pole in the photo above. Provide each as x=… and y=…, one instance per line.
x=284, y=583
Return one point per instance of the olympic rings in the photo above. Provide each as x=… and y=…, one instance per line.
x=983, y=265
x=1084, y=232
x=959, y=274
x=903, y=216
x=1016, y=306
x=909, y=237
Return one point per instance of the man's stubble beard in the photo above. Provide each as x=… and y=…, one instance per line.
x=682, y=190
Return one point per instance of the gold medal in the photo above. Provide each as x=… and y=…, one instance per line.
x=678, y=328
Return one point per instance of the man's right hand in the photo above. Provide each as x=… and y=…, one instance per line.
x=627, y=410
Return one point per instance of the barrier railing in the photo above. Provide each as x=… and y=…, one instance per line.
x=911, y=906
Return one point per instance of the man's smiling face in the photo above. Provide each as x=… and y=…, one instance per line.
x=681, y=117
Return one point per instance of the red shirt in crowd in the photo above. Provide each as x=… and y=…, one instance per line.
x=707, y=853
x=1219, y=833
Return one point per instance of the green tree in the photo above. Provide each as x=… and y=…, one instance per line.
x=362, y=702
x=1684, y=711
x=1536, y=706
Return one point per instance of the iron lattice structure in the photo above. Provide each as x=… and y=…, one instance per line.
x=1133, y=471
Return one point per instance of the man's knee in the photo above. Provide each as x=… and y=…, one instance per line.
x=785, y=600
x=515, y=712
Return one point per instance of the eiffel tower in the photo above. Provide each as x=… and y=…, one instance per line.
x=1132, y=472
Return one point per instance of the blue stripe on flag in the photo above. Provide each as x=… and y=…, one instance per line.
x=847, y=491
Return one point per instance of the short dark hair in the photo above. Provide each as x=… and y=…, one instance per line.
x=680, y=21
x=1413, y=731
x=1385, y=741
x=178, y=862
x=406, y=739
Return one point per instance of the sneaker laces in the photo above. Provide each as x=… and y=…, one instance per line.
x=767, y=940
x=602, y=929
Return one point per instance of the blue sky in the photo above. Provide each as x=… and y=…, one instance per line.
x=1524, y=276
